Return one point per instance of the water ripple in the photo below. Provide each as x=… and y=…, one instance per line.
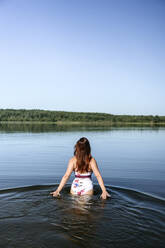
x=129, y=219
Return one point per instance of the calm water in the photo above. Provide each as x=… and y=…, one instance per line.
x=32, y=162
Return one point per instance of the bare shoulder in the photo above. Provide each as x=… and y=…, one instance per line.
x=94, y=167
x=93, y=163
x=93, y=160
x=73, y=158
x=72, y=161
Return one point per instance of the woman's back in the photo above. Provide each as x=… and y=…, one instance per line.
x=89, y=170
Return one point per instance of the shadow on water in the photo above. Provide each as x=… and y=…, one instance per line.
x=31, y=217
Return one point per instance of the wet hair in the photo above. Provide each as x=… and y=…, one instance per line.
x=82, y=152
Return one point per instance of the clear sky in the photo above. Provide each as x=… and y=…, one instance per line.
x=83, y=55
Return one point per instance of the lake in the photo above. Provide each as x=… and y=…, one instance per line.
x=33, y=158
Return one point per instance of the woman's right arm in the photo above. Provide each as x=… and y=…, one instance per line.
x=64, y=178
x=96, y=171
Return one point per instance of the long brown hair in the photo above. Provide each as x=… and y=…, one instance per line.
x=82, y=152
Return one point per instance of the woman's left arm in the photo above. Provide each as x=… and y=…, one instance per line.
x=96, y=171
x=64, y=178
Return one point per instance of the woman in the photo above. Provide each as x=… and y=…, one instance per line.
x=83, y=164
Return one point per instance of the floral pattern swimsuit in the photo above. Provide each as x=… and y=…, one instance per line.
x=82, y=183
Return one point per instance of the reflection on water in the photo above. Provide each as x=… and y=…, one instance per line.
x=45, y=127
x=128, y=219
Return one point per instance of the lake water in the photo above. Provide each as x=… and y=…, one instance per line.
x=33, y=158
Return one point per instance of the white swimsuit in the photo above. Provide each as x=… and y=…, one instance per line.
x=82, y=183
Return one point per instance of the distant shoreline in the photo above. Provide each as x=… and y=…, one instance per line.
x=37, y=116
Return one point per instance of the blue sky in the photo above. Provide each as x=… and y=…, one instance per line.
x=83, y=55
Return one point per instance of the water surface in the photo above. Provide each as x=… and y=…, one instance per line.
x=131, y=161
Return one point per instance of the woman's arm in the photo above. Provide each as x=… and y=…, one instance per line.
x=96, y=171
x=64, y=178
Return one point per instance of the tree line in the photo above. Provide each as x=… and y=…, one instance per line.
x=37, y=115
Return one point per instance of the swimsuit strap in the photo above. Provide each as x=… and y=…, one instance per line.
x=80, y=176
x=83, y=175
